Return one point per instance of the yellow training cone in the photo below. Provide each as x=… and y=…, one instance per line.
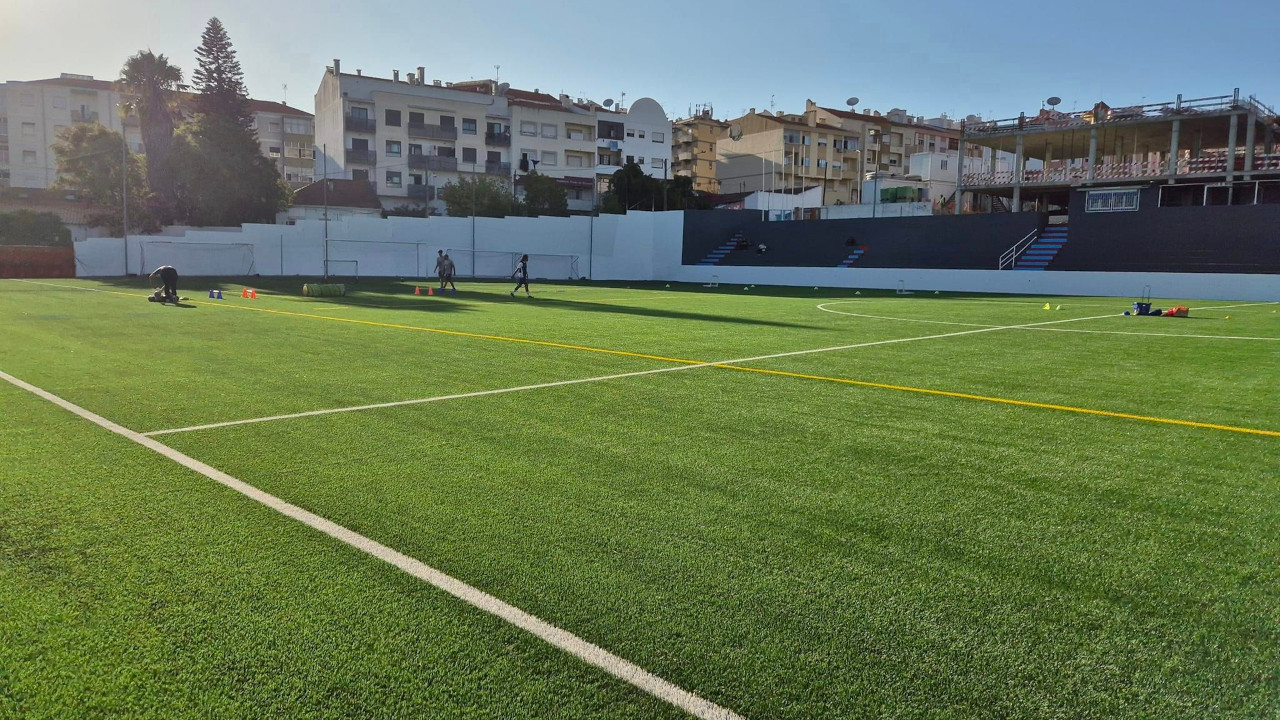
x=1046, y=306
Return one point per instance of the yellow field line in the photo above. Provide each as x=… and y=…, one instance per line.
x=1007, y=401
x=782, y=373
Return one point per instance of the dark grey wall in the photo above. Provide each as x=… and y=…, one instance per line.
x=944, y=241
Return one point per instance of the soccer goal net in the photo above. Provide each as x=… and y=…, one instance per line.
x=196, y=258
x=495, y=264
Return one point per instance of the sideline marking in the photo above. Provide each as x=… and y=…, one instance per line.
x=1008, y=401
x=727, y=365
x=586, y=651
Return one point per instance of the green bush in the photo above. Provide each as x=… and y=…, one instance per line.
x=27, y=227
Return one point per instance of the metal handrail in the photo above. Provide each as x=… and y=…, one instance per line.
x=1010, y=256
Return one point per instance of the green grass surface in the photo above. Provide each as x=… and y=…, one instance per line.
x=785, y=547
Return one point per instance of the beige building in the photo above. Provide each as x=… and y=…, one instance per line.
x=32, y=113
x=693, y=150
x=789, y=153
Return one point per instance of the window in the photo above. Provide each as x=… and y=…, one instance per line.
x=659, y=137
x=468, y=126
x=28, y=157
x=393, y=119
x=493, y=156
x=360, y=175
x=415, y=179
x=359, y=144
x=548, y=130
x=631, y=132
x=944, y=163
x=549, y=158
x=446, y=121
x=297, y=126
x=393, y=148
x=822, y=142
x=655, y=162
x=28, y=129
x=417, y=118
x=60, y=103
x=574, y=161
x=273, y=152
x=4, y=155
x=28, y=100
x=393, y=179
x=415, y=149
x=359, y=113
x=273, y=126
x=631, y=159
x=529, y=128
x=641, y=135
x=495, y=128
x=468, y=155
x=822, y=163
x=445, y=151
x=953, y=144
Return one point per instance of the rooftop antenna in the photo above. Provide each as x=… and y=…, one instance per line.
x=496, y=68
x=284, y=100
x=621, y=102
x=770, y=103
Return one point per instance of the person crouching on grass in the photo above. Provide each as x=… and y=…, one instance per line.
x=521, y=276
x=168, y=276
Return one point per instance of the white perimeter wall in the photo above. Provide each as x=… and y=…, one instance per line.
x=636, y=246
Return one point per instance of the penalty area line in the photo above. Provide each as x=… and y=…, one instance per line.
x=584, y=650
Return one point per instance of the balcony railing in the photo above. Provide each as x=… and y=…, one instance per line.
x=425, y=193
x=498, y=139
x=81, y=116
x=433, y=132
x=1205, y=165
x=497, y=168
x=362, y=157
x=360, y=124
x=1053, y=120
x=441, y=162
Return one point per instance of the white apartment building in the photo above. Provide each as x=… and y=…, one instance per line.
x=32, y=113
x=410, y=137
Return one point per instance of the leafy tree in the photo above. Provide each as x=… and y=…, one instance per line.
x=219, y=79
x=220, y=175
x=634, y=189
x=28, y=227
x=154, y=82
x=89, y=158
x=492, y=197
x=611, y=205
x=544, y=196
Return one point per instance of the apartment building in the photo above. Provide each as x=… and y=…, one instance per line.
x=789, y=153
x=410, y=137
x=693, y=150
x=32, y=113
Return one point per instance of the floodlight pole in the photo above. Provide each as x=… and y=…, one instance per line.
x=324, y=187
x=124, y=194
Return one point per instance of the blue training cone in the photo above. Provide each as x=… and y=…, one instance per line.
x=215, y=294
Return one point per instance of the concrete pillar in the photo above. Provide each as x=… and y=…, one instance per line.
x=1250, y=139
x=959, y=177
x=1093, y=153
x=1231, y=149
x=1172, y=166
x=1017, y=174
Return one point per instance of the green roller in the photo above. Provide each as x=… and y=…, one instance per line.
x=323, y=290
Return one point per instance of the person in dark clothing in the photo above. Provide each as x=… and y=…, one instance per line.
x=521, y=276
x=168, y=276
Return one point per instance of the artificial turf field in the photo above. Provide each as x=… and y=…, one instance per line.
x=996, y=518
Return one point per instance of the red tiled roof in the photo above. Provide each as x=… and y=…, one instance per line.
x=800, y=124
x=342, y=193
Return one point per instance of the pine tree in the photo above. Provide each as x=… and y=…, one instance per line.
x=219, y=79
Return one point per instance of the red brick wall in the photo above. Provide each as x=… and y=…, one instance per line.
x=25, y=261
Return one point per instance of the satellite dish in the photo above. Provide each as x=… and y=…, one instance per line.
x=1054, y=101
x=608, y=102
x=735, y=132
x=851, y=102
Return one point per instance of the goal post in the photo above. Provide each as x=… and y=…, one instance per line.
x=197, y=258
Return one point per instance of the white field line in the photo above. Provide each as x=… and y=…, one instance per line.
x=1156, y=334
x=579, y=381
x=543, y=630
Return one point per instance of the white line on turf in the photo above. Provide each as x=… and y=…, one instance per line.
x=1156, y=334
x=586, y=651
x=579, y=381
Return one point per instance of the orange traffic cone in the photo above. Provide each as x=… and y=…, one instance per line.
x=431, y=291
x=253, y=294
x=244, y=293
x=417, y=290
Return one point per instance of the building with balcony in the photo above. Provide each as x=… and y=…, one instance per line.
x=401, y=133
x=789, y=153
x=32, y=113
x=693, y=149
x=1217, y=150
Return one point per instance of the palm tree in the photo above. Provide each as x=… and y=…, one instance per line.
x=154, y=83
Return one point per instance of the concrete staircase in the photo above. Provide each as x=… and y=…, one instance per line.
x=1040, y=255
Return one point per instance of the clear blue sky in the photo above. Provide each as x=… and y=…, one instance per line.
x=993, y=59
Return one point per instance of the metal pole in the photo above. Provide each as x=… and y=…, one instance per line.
x=324, y=187
x=762, y=210
x=124, y=196
x=474, y=180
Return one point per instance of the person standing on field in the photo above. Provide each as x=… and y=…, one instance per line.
x=521, y=276
x=440, y=258
x=449, y=267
